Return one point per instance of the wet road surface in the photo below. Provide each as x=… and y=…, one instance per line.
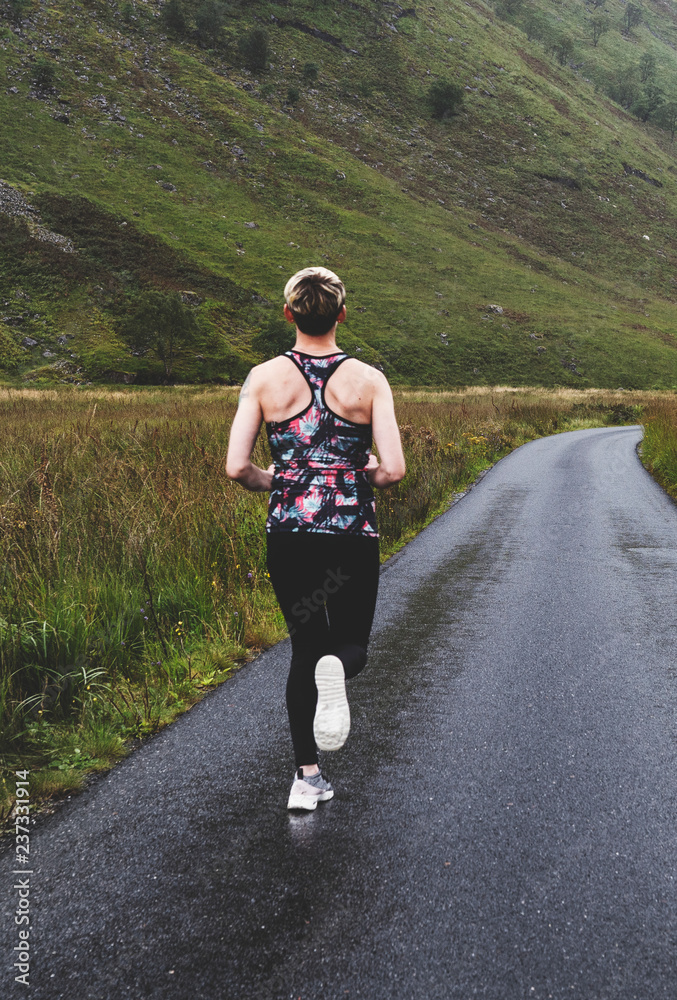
x=505, y=820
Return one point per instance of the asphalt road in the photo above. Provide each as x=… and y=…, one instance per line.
x=505, y=821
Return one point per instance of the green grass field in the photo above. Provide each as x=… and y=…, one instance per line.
x=537, y=197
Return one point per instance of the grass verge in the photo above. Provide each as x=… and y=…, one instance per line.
x=659, y=446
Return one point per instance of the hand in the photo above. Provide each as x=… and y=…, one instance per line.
x=372, y=463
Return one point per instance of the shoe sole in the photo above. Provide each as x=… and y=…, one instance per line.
x=332, y=715
x=306, y=803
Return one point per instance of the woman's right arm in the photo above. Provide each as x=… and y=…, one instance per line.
x=391, y=469
x=243, y=434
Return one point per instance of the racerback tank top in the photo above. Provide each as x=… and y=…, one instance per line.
x=319, y=482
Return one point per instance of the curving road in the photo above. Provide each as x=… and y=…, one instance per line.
x=505, y=823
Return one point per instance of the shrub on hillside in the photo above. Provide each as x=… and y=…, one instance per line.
x=563, y=49
x=11, y=355
x=632, y=17
x=648, y=103
x=174, y=18
x=647, y=67
x=667, y=117
x=159, y=328
x=170, y=342
x=255, y=49
x=508, y=8
x=598, y=25
x=43, y=75
x=19, y=9
x=210, y=20
x=535, y=24
x=293, y=95
x=310, y=72
x=623, y=86
x=444, y=98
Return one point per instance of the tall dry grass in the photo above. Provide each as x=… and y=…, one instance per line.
x=133, y=572
x=659, y=446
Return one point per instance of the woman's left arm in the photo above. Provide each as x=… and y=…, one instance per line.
x=243, y=433
x=392, y=468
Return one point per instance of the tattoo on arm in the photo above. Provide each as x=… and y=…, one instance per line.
x=244, y=391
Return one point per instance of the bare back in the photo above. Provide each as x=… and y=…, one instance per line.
x=283, y=391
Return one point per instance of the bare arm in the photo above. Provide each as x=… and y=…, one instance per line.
x=243, y=434
x=391, y=468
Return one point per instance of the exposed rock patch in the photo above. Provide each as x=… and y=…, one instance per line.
x=631, y=171
x=13, y=203
x=324, y=36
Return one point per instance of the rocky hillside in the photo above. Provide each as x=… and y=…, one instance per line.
x=497, y=185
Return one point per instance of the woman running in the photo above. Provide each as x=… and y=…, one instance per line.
x=321, y=408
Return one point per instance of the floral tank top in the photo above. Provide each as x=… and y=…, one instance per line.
x=319, y=482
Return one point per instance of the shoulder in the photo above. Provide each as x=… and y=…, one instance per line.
x=368, y=378
x=267, y=371
x=367, y=373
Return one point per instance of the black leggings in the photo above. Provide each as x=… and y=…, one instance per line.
x=326, y=586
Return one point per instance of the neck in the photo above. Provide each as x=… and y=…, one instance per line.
x=316, y=345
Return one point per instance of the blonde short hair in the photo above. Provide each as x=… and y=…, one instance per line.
x=315, y=296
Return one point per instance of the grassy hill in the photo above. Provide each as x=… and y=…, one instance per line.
x=531, y=238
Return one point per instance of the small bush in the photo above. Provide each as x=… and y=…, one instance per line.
x=310, y=72
x=647, y=67
x=508, y=8
x=293, y=95
x=444, y=98
x=623, y=86
x=174, y=18
x=667, y=117
x=598, y=25
x=19, y=9
x=11, y=355
x=255, y=49
x=210, y=20
x=563, y=49
x=44, y=73
x=632, y=18
x=127, y=12
x=648, y=103
x=535, y=24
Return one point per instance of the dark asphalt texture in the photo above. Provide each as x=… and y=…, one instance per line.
x=505, y=818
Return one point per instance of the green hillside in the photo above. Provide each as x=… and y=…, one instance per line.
x=156, y=192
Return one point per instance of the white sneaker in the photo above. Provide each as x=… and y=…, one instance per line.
x=332, y=715
x=307, y=792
